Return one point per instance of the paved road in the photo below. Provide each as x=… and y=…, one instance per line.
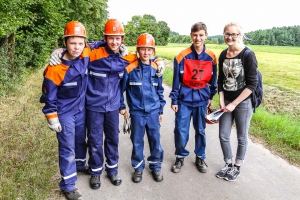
x=263, y=174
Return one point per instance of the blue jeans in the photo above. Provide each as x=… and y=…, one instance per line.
x=182, y=128
x=241, y=115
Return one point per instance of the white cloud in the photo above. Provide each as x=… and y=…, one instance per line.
x=180, y=15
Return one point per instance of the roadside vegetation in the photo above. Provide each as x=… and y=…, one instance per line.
x=28, y=149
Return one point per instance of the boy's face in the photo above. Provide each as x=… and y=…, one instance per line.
x=145, y=53
x=75, y=46
x=198, y=38
x=114, y=42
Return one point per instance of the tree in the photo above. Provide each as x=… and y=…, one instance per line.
x=30, y=30
x=164, y=32
x=93, y=14
x=146, y=24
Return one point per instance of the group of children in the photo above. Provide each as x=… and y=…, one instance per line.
x=84, y=95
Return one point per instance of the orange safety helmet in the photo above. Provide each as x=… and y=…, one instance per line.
x=113, y=27
x=75, y=28
x=145, y=40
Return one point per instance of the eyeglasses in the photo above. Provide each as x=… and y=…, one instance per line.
x=233, y=35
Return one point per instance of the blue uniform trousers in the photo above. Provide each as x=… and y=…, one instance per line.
x=71, y=131
x=150, y=124
x=97, y=124
x=182, y=127
x=80, y=141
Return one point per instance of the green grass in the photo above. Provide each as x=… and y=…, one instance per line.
x=28, y=148
x=278, y=65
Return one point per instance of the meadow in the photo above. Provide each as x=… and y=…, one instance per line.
x=28, y=148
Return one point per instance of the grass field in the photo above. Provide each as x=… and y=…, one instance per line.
x=28, y=148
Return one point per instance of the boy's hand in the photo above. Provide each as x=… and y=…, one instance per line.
x=161, y=118
x=122, y=112
x=174, y=107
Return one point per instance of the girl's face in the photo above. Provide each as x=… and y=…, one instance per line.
x=75, y=46
x=232, y=35
x=145, y=54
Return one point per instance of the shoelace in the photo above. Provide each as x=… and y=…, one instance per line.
x=203, y=162
x=178, y=163
x=232, y=171
x=225, y=168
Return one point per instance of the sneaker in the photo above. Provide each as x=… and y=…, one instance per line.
x=137, y=176
x=223, y=172
x=73, y=195
x=232, y=174
x=95, y=182
x=201, y=165
x=115, y=179
x=157, y=176
x=178, y=164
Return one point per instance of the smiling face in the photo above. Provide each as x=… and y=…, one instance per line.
x=145, y=54
x=114, y=42
x=75, y=46
x=198, y=38
x=232, y=35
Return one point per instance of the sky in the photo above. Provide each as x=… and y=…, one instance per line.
x=180, y=15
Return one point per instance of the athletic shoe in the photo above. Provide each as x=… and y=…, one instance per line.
x=232, y=174
x=223, y=172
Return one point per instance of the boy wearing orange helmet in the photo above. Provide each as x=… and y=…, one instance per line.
x=63, y=90
x=106, y=69
x=144, y=95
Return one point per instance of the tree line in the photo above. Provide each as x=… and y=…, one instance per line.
x=277, y=36
x=31, y=29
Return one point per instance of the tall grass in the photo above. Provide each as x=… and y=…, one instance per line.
x=28, y=148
